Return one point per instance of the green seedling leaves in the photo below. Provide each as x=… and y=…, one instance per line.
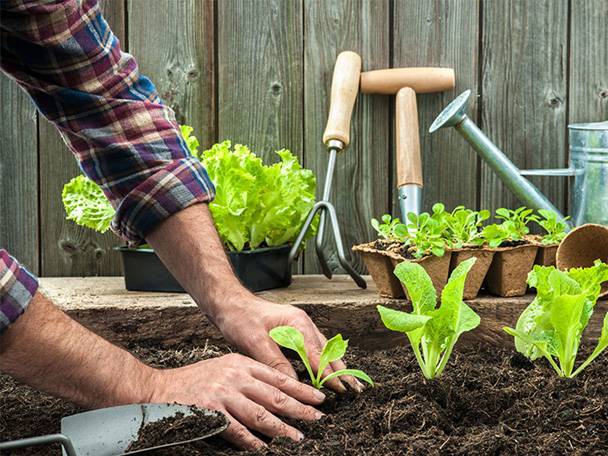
x=552, y=325
x=389, y=228
x=335, y=348
x=555, y=228
x=432, y=331
x=514, y=226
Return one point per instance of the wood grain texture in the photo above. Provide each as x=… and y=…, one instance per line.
x=260, y=91
x=588, y=87
x=18, y=175
x=441, y=33
x=524, y=65
x=361, y=180
x=174, y=45
x=337, y=306
x=66, y=248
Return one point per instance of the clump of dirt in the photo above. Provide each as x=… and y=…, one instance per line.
x=514, y=243
x=178, y=428
x=488, y=402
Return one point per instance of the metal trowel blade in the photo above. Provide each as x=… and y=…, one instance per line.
x=110, y=431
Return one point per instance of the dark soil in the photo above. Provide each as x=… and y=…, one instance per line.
x=397, y=247
x=488, y=402
x=178, y=428
x=514, y=243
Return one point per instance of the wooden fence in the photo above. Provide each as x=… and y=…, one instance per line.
x=258, y=72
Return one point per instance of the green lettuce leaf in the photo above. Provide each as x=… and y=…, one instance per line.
x=85, y=204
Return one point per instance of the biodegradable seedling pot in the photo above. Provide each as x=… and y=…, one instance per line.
x=582, y=246
x=258, y=270
x=380, y=266
x=478, y=272
x=509, y=270
x=546, y=255
x=438, y=268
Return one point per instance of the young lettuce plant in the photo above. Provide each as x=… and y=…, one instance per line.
x=514, y=226
x=425, y=235
x=335, y=348
x=553, y=324
x=554, y=227
x=464, y=226
x=386, y=227
x=432, y=331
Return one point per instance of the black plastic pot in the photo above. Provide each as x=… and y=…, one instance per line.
x=260, y=269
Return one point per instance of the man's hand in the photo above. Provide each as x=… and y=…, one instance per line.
x=188, y=244
x=247, y=320
x=249, y=393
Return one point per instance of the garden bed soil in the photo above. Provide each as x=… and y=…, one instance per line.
x=478, y=272
x=508, y=273
x=487, y=402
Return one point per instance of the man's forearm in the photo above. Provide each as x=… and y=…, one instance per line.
x=189, y=245
x=48, y=350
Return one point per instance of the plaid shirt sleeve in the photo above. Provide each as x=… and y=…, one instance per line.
x=17, y=287
x=65, y=56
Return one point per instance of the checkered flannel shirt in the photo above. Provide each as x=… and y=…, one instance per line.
x=64, y=55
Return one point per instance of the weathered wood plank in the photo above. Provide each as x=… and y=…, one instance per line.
x=361, y=181
x=67, y=249
x=174, y=45
x=336, y=306
x=18, y=175
x=524, y=65
x=260, y=74
x=588, y=90
x=445, y=34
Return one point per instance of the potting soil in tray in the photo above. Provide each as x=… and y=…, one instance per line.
x=489, y=402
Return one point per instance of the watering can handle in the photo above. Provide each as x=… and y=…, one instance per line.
x=422, y=80
x=409, y=162
x=344, y=89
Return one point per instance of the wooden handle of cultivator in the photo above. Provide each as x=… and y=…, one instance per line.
x=344, y=89
x=409, y=162
x=422, y=80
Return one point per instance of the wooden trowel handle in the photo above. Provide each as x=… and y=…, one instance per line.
x=422, y=80
x=409, y=162
x=344, y=89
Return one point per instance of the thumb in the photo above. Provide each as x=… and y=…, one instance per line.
x=270, y=354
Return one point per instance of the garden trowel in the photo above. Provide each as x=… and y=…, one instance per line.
x=110, y=431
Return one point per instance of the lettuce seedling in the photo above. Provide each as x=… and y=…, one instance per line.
x=464, y=226
x=553, y=324
x=555, y=228
x=335, y=348
x=386, y=227
x=425, y=235
x=514, y=226
x=432, y=331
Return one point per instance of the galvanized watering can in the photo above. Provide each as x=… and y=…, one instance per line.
x=588, y=165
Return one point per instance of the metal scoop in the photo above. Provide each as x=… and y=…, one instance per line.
x=110, y=431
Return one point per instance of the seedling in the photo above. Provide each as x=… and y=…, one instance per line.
x=432, y=331
x=386, y=227
x=554, y=227
x=553, y=324
x=335, y=348
x=425, y=235
x=513, y=227
x=465, y=226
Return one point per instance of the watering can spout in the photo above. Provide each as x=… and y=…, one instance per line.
x=454, y=115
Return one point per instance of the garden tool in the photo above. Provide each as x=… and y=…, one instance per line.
x=588, y=164
x=344, y=89
x=110, y=431
x=406, y=82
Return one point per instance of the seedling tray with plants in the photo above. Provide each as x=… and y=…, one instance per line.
x=454, y=396
x=440, y=241
x=258, y=211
